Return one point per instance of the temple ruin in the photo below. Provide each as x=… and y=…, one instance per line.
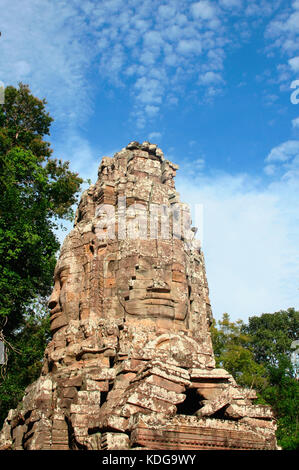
x=131, y=364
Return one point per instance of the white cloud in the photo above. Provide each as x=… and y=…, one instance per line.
x=154, y=136
x=149, y=90
x=203, y=9
x=283, y=30
x=270, y=99
x=192, y=168
x=250, y=241
x=77, y=149
x=284, y=152
x=151, y=110
x=187, y=46
x=115, y=63
x=148, y=58
x=262, y=8
x=270, y=170
x=81, y=155
x=294, y=63
x=116, y=39
x=153, y=40
x=41, y=44
x=121, y=39
x=231, y=3
x=166, y=11
x=210, y=78
x=292, y=24
x=284, y=160
x=22, y=69
x=295, y=123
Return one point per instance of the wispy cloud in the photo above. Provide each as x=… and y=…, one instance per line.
x=204, y=10
x=295, y=123
x=161, y=51
x=294, y=62
x=283, y=30
x=192, y=168
x=42, y=44
x=83, y=157
x=155, y=136
x=114, y=40
x=125, y=44
x=284, y=159
x=231, y=3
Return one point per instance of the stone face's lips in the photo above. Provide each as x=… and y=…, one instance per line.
x=155, y=298
x=54, y=317
x=55, y=311
x=159, y=301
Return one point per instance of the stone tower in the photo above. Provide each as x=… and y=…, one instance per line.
x=130, y=363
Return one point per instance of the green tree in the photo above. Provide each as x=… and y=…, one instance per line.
x=24, y=356
x=233, y=352
x=282, y=394
x=35, y=191
x=23, y=122
x=257, y=354
x=272, y=335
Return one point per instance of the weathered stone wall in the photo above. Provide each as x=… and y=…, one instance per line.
x=131, y=364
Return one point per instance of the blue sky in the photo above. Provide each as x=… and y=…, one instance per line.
x=210, y=83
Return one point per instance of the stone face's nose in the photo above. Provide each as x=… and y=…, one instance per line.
x=54, y=299
x=158, y=284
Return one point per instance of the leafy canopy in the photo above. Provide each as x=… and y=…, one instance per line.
x=35, y=191
x=272, y=334
x=258, y=355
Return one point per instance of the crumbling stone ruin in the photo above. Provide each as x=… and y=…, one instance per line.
x=130, y=364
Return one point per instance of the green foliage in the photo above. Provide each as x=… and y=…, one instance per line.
x=27, y=242
x=282, y=394
x=232, y=349
x=258, y=356
x=24, y=357
x=35, y=190
x=272, y=334
x=24, y=122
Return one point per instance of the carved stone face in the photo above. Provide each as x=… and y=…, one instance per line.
x=65, y=298
x=101, y=284
x=156, y=290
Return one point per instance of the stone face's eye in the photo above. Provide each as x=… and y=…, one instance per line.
x=62, y=280
x=62, y=277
